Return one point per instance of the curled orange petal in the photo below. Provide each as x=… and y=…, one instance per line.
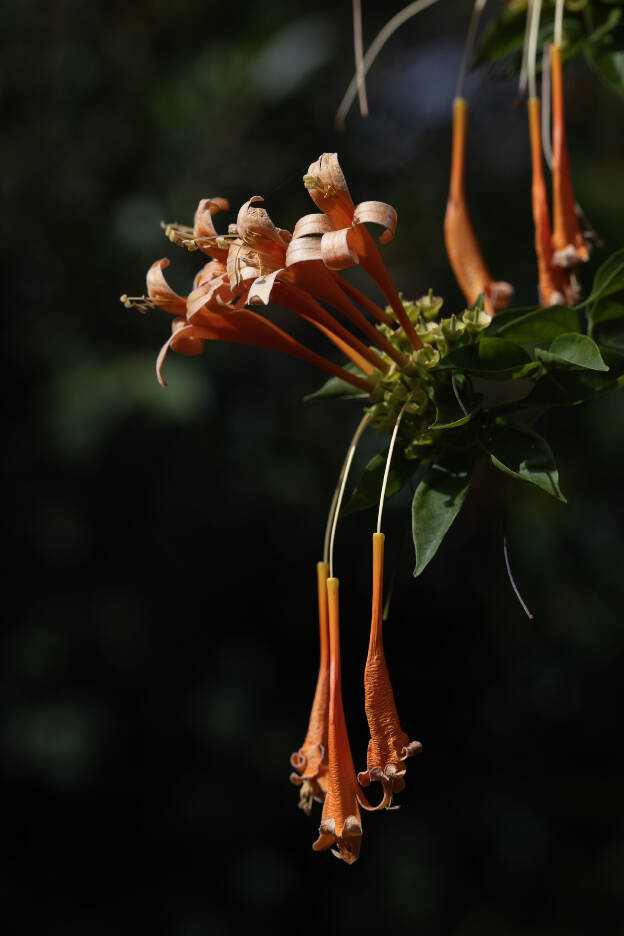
x=160, y=292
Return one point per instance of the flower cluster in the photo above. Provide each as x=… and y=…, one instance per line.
x=256, y=262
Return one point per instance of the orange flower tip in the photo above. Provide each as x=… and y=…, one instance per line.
x=569, y=257
x=348, y=841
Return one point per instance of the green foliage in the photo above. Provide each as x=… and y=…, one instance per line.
x=479, y=399
x=437, y=501
x=521, y=453
x=572, y=351
x=337, y=389
x=595, y=28
x=368, y=489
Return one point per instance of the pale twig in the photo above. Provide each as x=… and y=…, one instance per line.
x=359, y=55
x=536, y=10
x=373, y=51
x=388, y=460
x=477, y=10
x=546, y=140
x=334, y=510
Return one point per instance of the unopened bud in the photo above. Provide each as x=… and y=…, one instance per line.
x=427, y=356
x=452, y=328
x=476, y=320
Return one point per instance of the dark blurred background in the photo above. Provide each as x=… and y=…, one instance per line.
x=159, y=656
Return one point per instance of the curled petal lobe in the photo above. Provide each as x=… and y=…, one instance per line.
x=303, y=250
x=375, y=212
x=312, y=224
x=260, y=289
x=204, y=229
x=337, y=250
x=160, y=292
x=328, y=189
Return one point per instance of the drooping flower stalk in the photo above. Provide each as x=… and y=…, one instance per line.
x=373, y=51
x=359, y=64
x=389, y=745
x=310, y=761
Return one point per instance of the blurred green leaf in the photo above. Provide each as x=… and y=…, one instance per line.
x=573, y=351
x=566, y=388
x=533, y=326
x=336, y=389
x=368, y=489
x=607, y=309
x=522, y=453
x=437, y=501
x=609, y=279
x=449, y=414
x=489, y=357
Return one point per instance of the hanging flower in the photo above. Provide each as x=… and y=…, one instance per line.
x=569, y=245
x=389, y=746
x=462, y=246
x=554, y=282
x=310, y=761
x=340, y=823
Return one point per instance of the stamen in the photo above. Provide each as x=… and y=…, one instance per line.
x=359, y=68
x=510, y=576
x=373, y=51
x=334, y=509
x=142, y=304
x=389, y=459
x=477, y=10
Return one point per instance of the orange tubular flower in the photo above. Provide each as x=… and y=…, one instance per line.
x=554, y=282
x=348, y=241
x=340, y=824
x=567, y=240
x=462, y=247
x=310, y=761
x=389, y=745
x=270, y=256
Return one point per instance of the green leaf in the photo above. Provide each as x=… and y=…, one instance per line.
x=437, y=501
x=368, y=489
x=607, y=309
x=573, y=351
x=335, y=388
x=518, y=451
x=449, y=414
x=534, y=326
x=489, y=357
x=609, y=279
x=567, y=388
